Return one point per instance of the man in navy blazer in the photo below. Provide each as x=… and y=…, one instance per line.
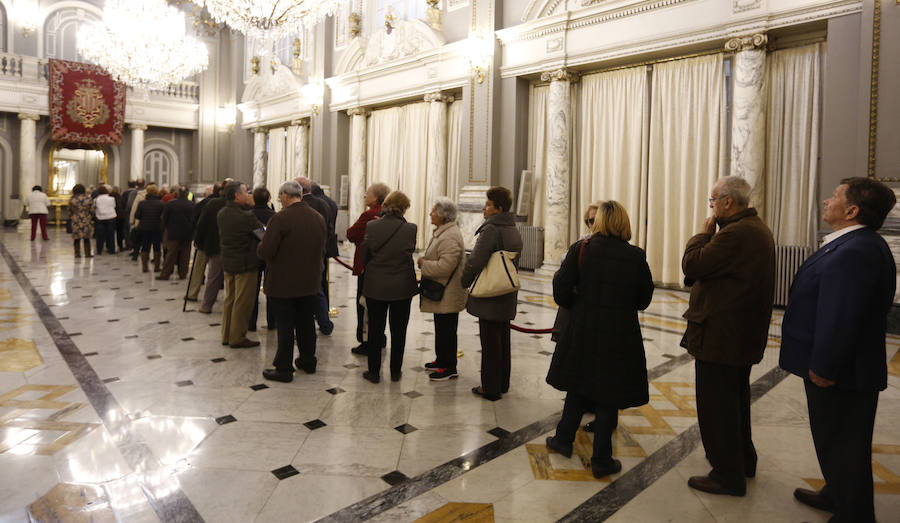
x=833, y=336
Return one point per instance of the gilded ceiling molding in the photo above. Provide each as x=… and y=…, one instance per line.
x=873, y=93
x=744, y=43
x=439, y=97
x=559, y=75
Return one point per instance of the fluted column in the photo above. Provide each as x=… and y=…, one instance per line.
x=748, y=117
x=357, y=161
x=259, y=156
x=27, y=145
x=137, y=150
x=556, y=219
x=301, y=149
x=436, y=168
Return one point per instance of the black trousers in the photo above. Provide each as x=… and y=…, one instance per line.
x=360, y=310
x=842, y=422
x=445, y=326
x=495, y=358
x=291, y=314
x=270, y=311
x=605, y=424
x=378, y=318
x=105, y=232
x=723, y=413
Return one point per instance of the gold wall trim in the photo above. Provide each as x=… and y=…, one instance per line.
x=649, y=62
x=873, y=93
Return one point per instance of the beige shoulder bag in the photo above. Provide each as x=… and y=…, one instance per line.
x=498, y=277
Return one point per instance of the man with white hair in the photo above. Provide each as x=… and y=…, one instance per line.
x=732, y=277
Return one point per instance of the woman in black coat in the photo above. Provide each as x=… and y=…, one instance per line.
x=599, y=360
x=149, y=216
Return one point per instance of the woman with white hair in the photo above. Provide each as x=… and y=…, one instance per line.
x=442, y=294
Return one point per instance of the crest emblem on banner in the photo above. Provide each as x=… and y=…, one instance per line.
x=87, y=106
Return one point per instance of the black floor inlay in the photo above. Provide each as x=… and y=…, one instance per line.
x=285, y=472
x=545, y=353
x=90, y=354
x=428, y=333
x=335, y=391
x=225, y=419
x=261, y=386
x=63, y=318
x=406, y=428
x=419, y=369
x=131, y=337
x=187, y=339
x=170, y=299
x=314, y=424
x=215, y=324
x=164, y=322
x=423, y=349
x=154, y=357
x=412, y=394
x=184, y=383
x=113, y=320
x=144, y=309
x=72, y=334
x=218, y=360
x=351, y=366
x=110, y=380
x=498, y=432
x=153, y=290
x=128, y=297
x=395, y=478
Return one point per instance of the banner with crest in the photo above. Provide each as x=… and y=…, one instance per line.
x=86, y=105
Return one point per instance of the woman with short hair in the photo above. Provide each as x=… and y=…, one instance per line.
x=442, y=263
x=390, y=282
x=105, y=210
x=38, y=202
x=149, y=216
x=599, y=361
x=81, y=220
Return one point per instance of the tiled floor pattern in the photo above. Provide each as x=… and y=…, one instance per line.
x=242, y=449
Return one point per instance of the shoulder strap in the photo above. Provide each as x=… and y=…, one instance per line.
x=391, y=237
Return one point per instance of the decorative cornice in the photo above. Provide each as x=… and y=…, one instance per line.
x=138, y=127
x=873, y=93
x=29, y=116
x=745, y=43
x=259, y=130
x=357, y=111
x=302, y=122
x=439, y=97
x=559, y=75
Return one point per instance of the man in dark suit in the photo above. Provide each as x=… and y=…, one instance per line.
x=833, y=338
x=732, y=273
x=321, y=311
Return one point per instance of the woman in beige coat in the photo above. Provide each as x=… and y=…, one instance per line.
x=443, y=262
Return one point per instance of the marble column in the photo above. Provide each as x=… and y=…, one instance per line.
x=748, y=114
x=559, y=118
x=436, y=167
x=357, y=161
x=137, y=150
x=301, y=149
x=259, y=156
x=27, y=145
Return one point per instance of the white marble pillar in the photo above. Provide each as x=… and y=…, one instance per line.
x=137, y=151
x=436, y=167
x=259, y=156
x=748, y=114
x=559, y=118
x=357, y=161
x=301, y=150
x=27, y=146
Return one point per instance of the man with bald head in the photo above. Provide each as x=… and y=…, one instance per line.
x=732, y=277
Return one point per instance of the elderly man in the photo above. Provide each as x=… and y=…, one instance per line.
x=732, y=273
x=321, y=310
x=293, y=248
x=833, y=338
x=356, y=233
x=195, y=281
x=238, y=243
x=206, y=237
x=177, y=219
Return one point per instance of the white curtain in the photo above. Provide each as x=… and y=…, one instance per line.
x=613, y=144
x=686, y=155
x=275, y=166
x=290, y=159
x=454, y=147
x=792, y=139
x=537, y=150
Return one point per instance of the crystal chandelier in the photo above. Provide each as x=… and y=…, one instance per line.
x=270, y=19
x=143, y=44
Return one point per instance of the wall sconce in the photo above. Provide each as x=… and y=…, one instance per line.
x=28, y=15
x=226, y=117
x=480, y=52
x=313, y=93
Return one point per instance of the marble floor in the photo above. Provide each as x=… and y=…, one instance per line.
x=117, y=405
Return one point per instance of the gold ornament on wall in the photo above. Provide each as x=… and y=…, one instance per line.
x=297, y=62
x=355, y=24
x=254, y=65
x=433, y=14
x=389, y=21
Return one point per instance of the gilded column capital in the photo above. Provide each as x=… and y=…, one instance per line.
x=439, y=97
x=259, y=130
x=302, y=122
x=29, y=116
x=559, y=75
x=745, y=43
x=357, y=111
x=138, y=127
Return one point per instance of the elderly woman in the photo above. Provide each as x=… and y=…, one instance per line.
x=149, y=218
x=599, y=361
x=442, y=263
x=81, y=220
x=105, y=210
x=390, y=282
x=498, y=232
x=38, y=202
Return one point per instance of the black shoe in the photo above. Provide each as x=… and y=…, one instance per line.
x=432, y=365
x=750, y=470
x=565, y=450
x=478, y=391
x=371, y=376
x=443, y=374
x=245, y=344
x=708, y=484
x=277, y=375
x=309, y=369
x=613, y=467
x=814, y=499
x=360, y=350
x=327, y=330
x=395, y=376
x=588, y=427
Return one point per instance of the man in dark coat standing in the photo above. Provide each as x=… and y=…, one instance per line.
x=321, y=311
x=293, y=248
x=206, y=237
x=732, y=274
x=833, y=338
x=178, y=224
x=198, y=269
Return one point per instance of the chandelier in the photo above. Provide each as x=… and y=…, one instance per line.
x=270, y=19
x=143, y=44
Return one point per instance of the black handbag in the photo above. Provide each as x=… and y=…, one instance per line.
x=433, y=290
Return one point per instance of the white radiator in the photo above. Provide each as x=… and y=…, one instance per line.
x=788, y=258
x=532, y=255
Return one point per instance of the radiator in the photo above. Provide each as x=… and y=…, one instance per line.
x=532, y=255
x=341, y=224
x=788, y=258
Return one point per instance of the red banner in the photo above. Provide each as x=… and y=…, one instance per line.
x=86, y=104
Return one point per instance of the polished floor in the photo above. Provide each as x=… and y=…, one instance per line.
x=117, y=405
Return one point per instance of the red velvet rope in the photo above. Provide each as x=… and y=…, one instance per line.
x=513, y=326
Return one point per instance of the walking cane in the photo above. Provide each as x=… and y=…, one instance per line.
x=190, y=277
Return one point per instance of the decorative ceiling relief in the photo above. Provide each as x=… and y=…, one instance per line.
x=273, y=80
x=739, y=6
x=406, y=38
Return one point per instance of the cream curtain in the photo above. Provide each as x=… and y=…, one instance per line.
x=290, y=158
x=792, y=139
x=454, y=147
x=537, y=150
x=613, y=144
x=686, y=155
x=275, y=167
